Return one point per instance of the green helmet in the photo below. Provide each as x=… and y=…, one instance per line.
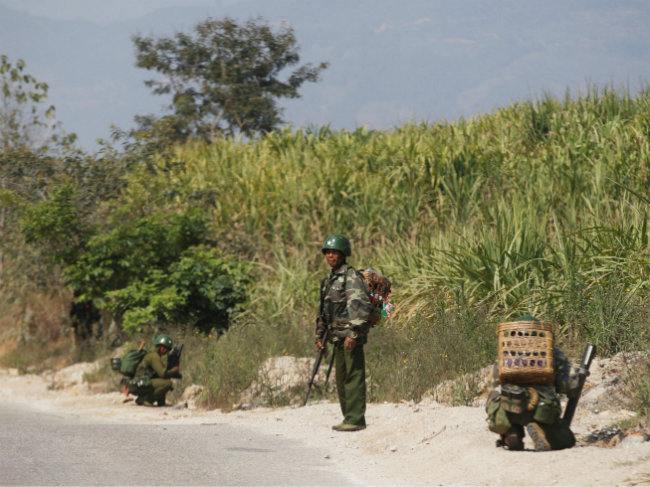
x=163, y=340
x=338, y=242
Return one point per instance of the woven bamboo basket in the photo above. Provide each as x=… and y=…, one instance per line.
x=525, y=351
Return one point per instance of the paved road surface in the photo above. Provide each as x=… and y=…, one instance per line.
x=55, y=449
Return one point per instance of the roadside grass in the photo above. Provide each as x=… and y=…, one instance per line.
x=34, y=332
x=406, y=363
x=636, y=382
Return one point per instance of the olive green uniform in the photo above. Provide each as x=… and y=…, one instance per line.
x=507, y=404
x=156, y=378
x=344, y=310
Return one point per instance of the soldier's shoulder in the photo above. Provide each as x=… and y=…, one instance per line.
x=349, y=269
x=559, y=355
x=353, y=273
x=357, y=281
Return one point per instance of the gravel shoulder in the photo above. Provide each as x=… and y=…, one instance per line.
x=405, y=444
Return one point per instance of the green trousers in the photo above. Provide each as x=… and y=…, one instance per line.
x=158, y=390
x=351, y=383
x=558, y=434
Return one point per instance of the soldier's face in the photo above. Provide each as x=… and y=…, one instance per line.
x=334, y=258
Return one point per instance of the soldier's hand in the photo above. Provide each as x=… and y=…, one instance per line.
x=349, y=343
x=320, y=346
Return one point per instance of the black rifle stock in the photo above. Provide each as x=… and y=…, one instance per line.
x=314, y=371
x=174, y=357
x=583, y=372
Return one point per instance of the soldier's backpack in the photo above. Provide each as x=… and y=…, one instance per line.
x=525, y=352
x=379, y=287
x=131, y=360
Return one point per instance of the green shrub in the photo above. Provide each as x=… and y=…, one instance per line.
x=201, y=290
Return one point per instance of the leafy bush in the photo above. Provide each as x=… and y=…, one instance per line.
x=200, y=290
x=57, y=224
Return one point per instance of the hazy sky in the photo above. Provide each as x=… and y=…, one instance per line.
x=390, y=61
x=98, y=11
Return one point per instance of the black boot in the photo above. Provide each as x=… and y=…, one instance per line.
x=514, y=438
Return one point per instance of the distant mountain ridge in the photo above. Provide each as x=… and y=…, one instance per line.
x=389, y=63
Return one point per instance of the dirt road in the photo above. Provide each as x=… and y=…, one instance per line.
x=41, y=448
x=404, y=444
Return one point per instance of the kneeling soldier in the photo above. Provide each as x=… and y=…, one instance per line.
x=152, y=377
x=515, y=409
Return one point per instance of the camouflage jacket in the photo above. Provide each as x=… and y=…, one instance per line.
x=566, y=382
x=344, y=305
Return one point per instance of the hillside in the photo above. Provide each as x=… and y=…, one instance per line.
x=537, y=208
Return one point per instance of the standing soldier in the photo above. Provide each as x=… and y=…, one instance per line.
x=344, y=310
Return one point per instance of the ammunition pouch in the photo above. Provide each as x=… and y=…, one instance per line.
x=547, y=411
x=340, y=334
x=519, y=405
x=513, y=399
x=497, y=418
x=139, y=385
x=340, y=329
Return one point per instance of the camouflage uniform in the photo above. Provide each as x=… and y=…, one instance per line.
x=156, y=379
x=506, y=414
x=344, y=309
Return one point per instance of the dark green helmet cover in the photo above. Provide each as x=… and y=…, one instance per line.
x=527, y=318
x=338, y=242
x=165, y=340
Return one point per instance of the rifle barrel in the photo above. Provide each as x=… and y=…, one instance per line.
x=583, y=372
x=329, y=370
x=314, y=371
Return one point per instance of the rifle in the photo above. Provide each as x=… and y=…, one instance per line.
x=583, y=372
x=319, y=357
x=174, y=356
x=329, y=370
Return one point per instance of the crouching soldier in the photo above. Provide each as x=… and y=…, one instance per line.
x=516, y=408
x=152, y=379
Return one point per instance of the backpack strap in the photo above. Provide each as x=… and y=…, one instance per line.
x=359, y=275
